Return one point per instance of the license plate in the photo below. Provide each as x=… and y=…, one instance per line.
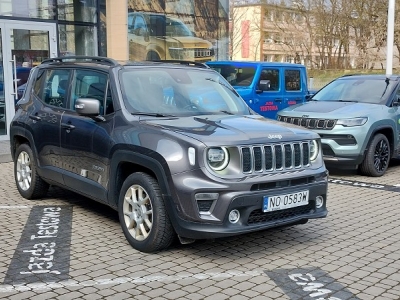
x=280, y=202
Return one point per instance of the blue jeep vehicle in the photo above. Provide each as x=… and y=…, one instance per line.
x=267, y=87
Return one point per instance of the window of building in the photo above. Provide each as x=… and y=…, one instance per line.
x=28, y=9
x=77, y=40
x=77, y=11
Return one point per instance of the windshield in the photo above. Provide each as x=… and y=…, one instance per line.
x=172, y=27
x=365, y=90
x=179, y=91
x=235, y=75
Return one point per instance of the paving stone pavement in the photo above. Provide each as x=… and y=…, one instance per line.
x=352, y=254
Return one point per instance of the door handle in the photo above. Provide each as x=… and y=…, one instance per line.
x=14, y=68
x=67, y=126
x=35, y=118
x=278, y=99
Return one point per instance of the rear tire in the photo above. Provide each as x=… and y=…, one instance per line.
x=29, y=184
x=377, y=157
x=142, y=214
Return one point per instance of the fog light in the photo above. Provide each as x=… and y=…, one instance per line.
x=319, y=201
x=234, y=216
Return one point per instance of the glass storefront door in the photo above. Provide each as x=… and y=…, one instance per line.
x=23, y=45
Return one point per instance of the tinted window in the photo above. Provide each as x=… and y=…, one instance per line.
x=55, y=87
x=236, y=76
x=273, y=76
x=367, y=90
x=91, y=84
x=292, y=80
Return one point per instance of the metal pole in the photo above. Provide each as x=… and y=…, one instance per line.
x=390, y=39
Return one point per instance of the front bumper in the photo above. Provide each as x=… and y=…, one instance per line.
x=190, y=223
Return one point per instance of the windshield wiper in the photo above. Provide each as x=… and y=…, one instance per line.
x=226, y=112
x=158, y=115
x=223, y=84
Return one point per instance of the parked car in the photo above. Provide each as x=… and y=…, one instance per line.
x=155, y=36
x=358, y=119
x=267, y=87
x=135, y=136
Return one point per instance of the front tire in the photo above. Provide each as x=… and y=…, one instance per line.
x=142, y=214
x=29, y=184
x=377, y=157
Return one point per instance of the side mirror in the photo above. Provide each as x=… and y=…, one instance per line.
x=309, y=96
x=87, y=107
x=264, y=85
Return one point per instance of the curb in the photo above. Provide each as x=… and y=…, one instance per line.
x=4, y=158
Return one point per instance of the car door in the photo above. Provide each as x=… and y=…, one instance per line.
x=85, y=141
x=269, y=102
x=294, y=84
x=138, y=36
x=44, y=119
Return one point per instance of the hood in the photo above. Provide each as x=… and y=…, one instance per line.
x=232, y=130
x=331, y=109
x=188, y=41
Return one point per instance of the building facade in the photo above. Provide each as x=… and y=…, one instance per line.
x=33, y=30
x=287, y=31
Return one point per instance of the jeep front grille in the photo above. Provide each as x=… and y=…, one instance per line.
x=268, y=158
x=190, y=53
x=310, y=123
x=201, y=52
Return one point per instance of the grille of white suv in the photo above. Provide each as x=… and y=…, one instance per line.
x=268, y=158
x=310, y=123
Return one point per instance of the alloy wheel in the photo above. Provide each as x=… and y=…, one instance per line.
x=381, y=156
x=24, y=171
x=138, y=212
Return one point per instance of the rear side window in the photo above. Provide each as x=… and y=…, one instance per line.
x=51, y=87
x=292, y=80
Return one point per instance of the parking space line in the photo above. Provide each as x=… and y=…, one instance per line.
x=41, y=286
x=369, y=185
x=14, y=206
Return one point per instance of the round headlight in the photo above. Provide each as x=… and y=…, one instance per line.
x=217, y=158
x=313, y=149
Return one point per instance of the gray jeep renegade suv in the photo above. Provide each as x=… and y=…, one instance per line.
x=170, y=145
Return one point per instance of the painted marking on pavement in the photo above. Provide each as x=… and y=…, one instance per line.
x=42, y=286
x=375, y=186
x=14, y=206
x=309, y=283
x=43, y=251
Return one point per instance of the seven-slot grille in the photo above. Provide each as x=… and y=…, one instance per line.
x=271, y=157
x=327, y=124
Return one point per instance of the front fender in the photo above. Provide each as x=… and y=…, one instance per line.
x=155, y=165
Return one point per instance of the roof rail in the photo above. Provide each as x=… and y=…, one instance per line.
x=183, y=62
x=99, y=59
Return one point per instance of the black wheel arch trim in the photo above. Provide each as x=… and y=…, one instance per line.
x=122, y=156
x=373, y=133
x=24, y=133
